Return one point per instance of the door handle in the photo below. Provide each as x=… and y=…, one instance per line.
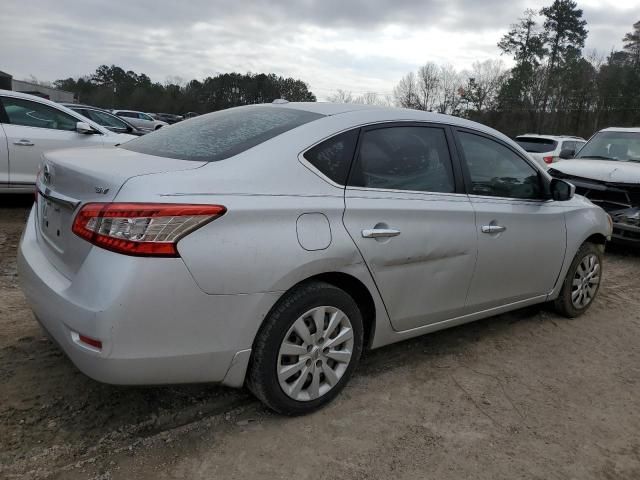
x=493, y=228
x=380, y=233
x=24, y=143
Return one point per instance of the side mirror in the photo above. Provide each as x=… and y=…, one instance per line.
x=85, y=128
x=561, y=190
x=567, y=153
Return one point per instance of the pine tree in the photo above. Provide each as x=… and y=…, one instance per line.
x=632, y=44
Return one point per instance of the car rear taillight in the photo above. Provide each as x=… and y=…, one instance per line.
x=547, y=159
x=142, y=229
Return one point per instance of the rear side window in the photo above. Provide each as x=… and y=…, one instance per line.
x=222, y=134
x=333, y=157
x=537, y=145
x=404, y=158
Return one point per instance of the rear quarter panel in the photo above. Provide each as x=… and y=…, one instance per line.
x=254, y=247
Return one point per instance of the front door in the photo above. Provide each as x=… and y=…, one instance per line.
x=411, y=223
x=33, y=128
x=521, y=234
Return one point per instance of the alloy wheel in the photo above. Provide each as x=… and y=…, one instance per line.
x=315, y=353
x=585, y=281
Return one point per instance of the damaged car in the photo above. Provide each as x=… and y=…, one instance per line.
x=607, y=172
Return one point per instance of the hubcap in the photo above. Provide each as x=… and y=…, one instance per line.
x=585, y=281
x=315, y=353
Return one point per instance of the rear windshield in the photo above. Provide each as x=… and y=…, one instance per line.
x=623, y=146
x=220, y=135
x=537, y=145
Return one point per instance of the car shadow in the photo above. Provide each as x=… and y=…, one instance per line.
x=48, y=390
x=624, y=249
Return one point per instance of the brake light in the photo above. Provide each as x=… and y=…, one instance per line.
x=547, y=159
x=141, y=229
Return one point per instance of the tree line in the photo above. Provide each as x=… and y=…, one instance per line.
x=552, y=87
x=113, y=87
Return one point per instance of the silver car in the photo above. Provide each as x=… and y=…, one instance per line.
x=141, y=120
x=268, y=245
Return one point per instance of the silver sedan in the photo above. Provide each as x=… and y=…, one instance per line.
x=268, y=245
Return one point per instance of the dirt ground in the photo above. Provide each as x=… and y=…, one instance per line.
x=523, y=395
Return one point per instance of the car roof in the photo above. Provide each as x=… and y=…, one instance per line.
x=360, y=115
x=28, y=96
x=381, y=113
x=622, y=129
x=323, y=108
x=552, y=137
x=81, y=105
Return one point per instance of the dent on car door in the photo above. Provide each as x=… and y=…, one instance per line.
x=521, y=234
x=33, y=128
x=413, y=227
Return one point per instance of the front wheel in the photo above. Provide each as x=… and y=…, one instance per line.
x=307, y=349
x=582, y=282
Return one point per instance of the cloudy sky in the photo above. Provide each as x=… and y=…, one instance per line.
x=354, y=45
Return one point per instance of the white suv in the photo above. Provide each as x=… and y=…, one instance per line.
x=30, y=126
x=545, y=149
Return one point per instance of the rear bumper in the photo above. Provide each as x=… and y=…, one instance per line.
x=155, y=324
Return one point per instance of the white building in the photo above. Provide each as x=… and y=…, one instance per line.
x=7, y=82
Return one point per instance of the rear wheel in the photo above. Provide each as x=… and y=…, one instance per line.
x=582, y=282
x=307, y=349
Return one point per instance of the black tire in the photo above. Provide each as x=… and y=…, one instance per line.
x=262, y=377
x=563, y=304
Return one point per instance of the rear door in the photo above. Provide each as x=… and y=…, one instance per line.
x=521, y=234
x=33, y=128
x=413, y=225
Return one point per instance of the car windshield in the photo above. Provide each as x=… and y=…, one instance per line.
x=222, y=134
x=622, y=146
x=537, y=145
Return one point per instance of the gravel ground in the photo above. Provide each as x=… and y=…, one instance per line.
x=522, y=395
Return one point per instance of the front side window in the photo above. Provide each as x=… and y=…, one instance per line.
x=34, y=114
x=333, y=157
x=144, y=116
x=404, y=158
x=223, y=134
x=621, y=146
x=497, y=171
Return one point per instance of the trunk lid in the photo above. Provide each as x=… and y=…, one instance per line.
x=71, y=178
